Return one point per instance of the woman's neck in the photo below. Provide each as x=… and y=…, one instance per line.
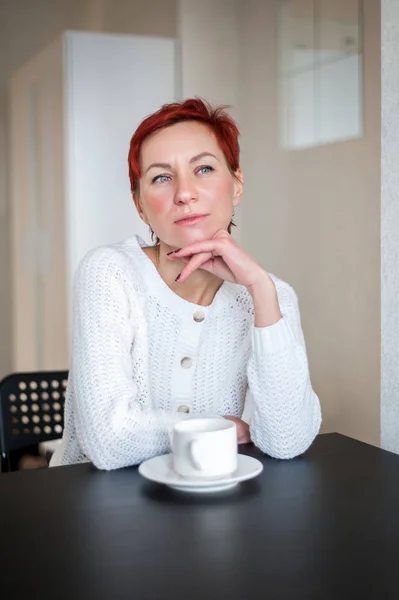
x=200, y=288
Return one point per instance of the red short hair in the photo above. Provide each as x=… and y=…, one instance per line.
x=193, y=109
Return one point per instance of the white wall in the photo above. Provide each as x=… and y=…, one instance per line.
x=390, y=226
x=108, y=74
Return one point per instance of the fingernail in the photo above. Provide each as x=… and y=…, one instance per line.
x=178, y=277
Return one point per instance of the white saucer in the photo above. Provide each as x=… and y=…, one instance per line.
x=160, y=469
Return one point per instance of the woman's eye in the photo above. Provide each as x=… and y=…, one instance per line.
x=160, y=179
x=205, y=169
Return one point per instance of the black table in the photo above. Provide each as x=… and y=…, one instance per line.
x=325, y=525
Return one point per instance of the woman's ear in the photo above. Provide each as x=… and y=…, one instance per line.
x=139, y=207
x=238, y=187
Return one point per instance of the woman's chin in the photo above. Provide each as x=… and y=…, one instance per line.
x=190, y=235
x=185, y=236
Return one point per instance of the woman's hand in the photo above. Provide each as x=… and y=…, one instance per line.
x=243, y=435
x=222, y=256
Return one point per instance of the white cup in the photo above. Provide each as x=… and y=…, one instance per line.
x=205, y=447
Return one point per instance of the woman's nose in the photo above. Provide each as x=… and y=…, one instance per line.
x=186, y=191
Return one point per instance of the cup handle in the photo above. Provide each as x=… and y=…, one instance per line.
x=195, y=455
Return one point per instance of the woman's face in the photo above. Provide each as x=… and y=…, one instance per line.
x=187, y=192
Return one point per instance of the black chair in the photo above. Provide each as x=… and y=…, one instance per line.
x=31, y=411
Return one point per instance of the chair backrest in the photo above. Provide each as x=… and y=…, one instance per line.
x=31, y=408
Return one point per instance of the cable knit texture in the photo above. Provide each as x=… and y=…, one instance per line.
x=128, y=378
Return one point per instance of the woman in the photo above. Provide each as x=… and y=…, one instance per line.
x=192, y=325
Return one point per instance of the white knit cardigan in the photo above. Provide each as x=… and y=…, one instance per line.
x=143, y=358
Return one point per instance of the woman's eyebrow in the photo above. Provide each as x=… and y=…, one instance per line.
x=159, y=165
x=192, y=160
x=198, y=156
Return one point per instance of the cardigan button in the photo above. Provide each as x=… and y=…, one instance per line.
x=186, y=362
x=183, y=409
x=198, y=316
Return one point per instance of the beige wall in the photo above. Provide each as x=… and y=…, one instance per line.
x=27, y=27
x=5, y=278
x=313, y=218
x=210, y=57
x=209, y=50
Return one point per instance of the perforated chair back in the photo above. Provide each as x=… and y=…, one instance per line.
x=31, y=410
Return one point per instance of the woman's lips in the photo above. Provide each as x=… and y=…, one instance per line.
x=190, y=220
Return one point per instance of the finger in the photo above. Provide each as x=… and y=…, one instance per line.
x=195, y=262
x=244, y=438
x=218, y=267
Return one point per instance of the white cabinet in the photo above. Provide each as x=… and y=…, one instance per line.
x=73, y=109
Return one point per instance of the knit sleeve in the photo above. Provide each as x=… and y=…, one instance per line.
x=114, y=425
x=285, y=411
